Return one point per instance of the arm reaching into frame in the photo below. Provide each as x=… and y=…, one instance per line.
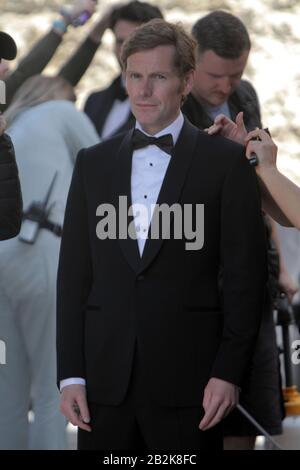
x=280, y=196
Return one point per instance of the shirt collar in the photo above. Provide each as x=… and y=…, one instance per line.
x=174, y=128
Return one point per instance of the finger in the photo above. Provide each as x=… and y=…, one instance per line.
x=206, y=399
x=214, y=129
x=84, y=426
x=290, y=294
x=251, y=148
x=264, y=137
x=220, y=118
x=71, y=414
x=210, y=412
x=71, y=411
x=78, y=420
x=239, y=118
x=83, y=409
x=240, y=122
x=222, y=411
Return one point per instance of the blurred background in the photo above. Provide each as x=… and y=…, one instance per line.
x=273, y=67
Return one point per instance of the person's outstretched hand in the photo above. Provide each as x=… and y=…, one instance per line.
x=235, y=131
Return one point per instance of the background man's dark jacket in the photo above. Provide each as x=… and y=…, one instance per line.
x=99, y=105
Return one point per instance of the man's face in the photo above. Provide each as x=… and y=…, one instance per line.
x=4, y=69
x=154, y=88
x=217, y=78
x=122, y=31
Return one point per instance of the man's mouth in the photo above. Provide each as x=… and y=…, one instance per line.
x=146, y=105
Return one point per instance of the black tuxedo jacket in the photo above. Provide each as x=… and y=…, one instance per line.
x=99, y=105
x=168, y=300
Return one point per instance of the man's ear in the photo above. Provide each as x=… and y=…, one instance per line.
x=188, y=82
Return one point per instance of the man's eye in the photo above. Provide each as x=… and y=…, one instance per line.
x=160, y=77
x=134, y=75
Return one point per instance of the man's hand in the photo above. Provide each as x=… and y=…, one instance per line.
x=73, y=406
x=287, y=284
x=220, y=397
x=235, y=131
x=260, y=143
x=81, y=6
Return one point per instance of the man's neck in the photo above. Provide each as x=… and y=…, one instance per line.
x=173, y=128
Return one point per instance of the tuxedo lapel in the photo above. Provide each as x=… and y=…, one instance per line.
x=196, y=113
x=173, y=183
x=104, y=104
x=122, y=187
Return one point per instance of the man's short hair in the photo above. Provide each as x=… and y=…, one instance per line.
x=157, y=33
x=136, y=12
x=222, y=33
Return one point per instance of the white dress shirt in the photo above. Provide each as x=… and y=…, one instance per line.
x=117, y=116
x=149, y=166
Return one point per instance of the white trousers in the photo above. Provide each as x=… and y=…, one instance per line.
x=27, y=328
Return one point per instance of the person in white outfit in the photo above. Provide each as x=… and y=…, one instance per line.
x=47, y=136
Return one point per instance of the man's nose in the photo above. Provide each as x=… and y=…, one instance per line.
x=225, y=85
x=146, y=88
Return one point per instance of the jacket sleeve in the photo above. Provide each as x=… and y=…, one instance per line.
x=10, y=191
x=33, y=63
x=73, y=280
x=243, y=252
x=76, y=66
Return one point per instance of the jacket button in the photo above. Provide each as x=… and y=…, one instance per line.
x=140, y=277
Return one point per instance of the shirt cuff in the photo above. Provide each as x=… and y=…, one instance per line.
x=71, y=381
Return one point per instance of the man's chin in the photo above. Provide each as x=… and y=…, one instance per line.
x=144, y=119
x=217, y=100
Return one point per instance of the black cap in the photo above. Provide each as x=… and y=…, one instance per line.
x=8, y=48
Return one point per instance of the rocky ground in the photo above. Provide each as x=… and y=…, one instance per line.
x=273, y=66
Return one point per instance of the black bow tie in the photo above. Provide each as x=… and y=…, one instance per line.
x=140, y=140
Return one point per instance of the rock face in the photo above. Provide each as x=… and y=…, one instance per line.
x=273, y=65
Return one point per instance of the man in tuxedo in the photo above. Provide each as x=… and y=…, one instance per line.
x=109, y=109
x=149, y=355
